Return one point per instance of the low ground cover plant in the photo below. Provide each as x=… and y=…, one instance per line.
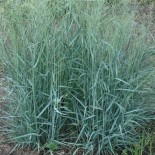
x=78, y=74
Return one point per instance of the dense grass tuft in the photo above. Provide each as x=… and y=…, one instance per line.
x=79, y=74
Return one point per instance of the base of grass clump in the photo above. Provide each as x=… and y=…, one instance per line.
x=77, y=75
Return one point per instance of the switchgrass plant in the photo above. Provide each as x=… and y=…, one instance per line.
x=78, y=74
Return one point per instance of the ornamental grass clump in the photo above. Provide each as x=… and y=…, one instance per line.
x=78, y=74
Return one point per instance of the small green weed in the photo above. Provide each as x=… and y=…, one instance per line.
x=143, y=146
x=52, y=146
